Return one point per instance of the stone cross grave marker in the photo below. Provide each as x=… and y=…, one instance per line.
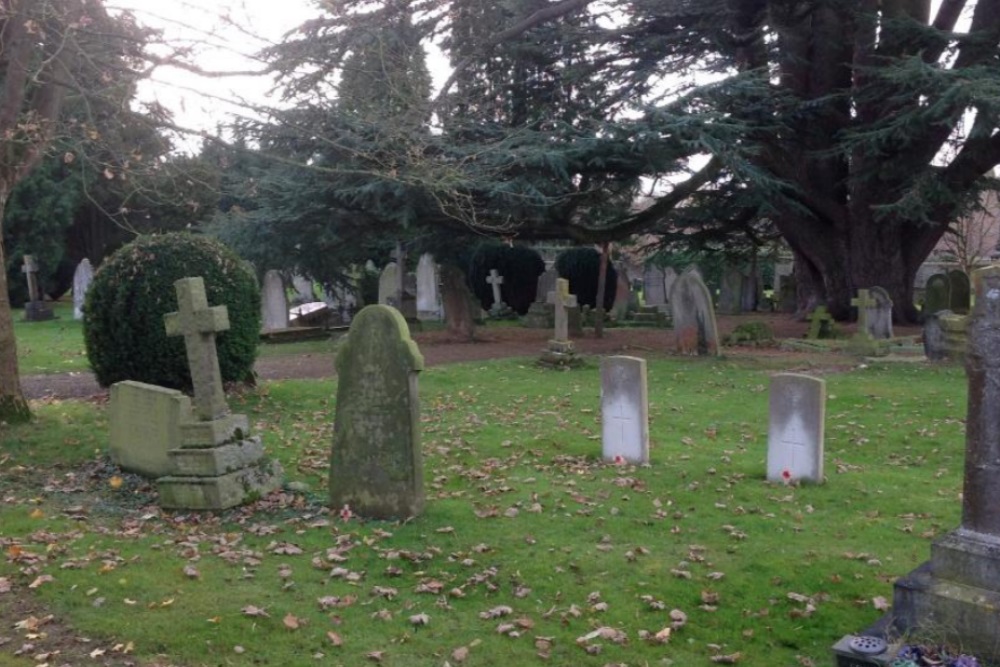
x=562, y=299
x=375, y=465
x=820, y=324
x=273, y=302
x=863, y=302
x=624, y=409
x=795, y=434
x=496, y=280
x=695, y=327
x=199, y=323
x=82, y=277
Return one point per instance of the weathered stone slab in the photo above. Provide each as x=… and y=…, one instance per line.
x=695, y=328
x=653, y=286
x=145, y=425
x=880, y=314
x=624, y=409
x=216, y=461
x=273, y=302
x=35, y=310
x=375, y=466
x=731, y=291
x=795, y=433
x=619, y=311
x=389, y=283
x=82, y=277
x=935, y=347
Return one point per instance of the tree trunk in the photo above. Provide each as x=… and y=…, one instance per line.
x=457, y=300
x=13, y=406
x=602, y=285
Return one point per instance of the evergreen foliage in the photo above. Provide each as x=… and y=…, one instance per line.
x=520, y=267
x=581, y=267
x=134, y=288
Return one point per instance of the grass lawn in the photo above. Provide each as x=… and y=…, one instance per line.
x=531, y=550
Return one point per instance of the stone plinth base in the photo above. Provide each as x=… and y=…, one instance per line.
x=220, y=492
x=866, y=346
x=215, y=461
x=38, y=311
x=229, y=428
x=560, y=354
x=955, y=596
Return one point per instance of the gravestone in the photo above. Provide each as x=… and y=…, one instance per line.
x=619, y=311
x=624, y=409
x=560, y=352
x=731, y=291
x=788, y=295
x=750, y=297
x=937, y=294
x=653, y=286
x=669, y=278
x=955, y=596
x=388, y=286
x=82, y=277
x=935, y=347
x=428, y=295
x=496, y=280
x=960, y=297
x=145, y=425
x=375, y=465
x=820, y=324
x=795, y=433
x=408, y=307
x=303, y=289
x=541, y=313
x=273, y=303
x=217, y=465
x=880, y=314
x=695, y=328
x=35, y=310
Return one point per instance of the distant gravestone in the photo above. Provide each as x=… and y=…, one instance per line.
x=375, y=466
x=937, y=294
x=750, y=295
x=496, y=280
x=695, y=328
x=669, y=278
x=546, y=284
x=541, y=314
x=787, y=295
x=653, y=286
x=820, y=324
x=560, y=352
x=795, y=434
x=880, y=314
x=622, y=294
x=935, y=338
x=624, y=409
x=273, y=302
x=82, y=278
x=428, y=295
x=388, y=286
x=961, y=292
x=303, y=289
x=35, y=310
x=731, y=291
x=145, y=425
x=562, y=300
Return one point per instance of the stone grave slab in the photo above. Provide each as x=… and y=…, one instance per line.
x=624, y=409
x=731, y=291
x=35, y=310
x=695, y=327
x=797, y=410
x=935, y=347
x=145, y=425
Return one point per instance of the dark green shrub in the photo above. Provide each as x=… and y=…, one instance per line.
x=581, y=267
x=520, y=267
x=134, y=288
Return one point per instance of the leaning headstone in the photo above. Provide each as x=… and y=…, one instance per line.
x=273, y=302
x=695, y=328
x=961, y=292
x=428, y=295
x=376, y=468
x=35, y=310
x=795, y=434
x=731, y=291
x=937, y=294
x=653, y=290
x=82, y=277
x=624, y=410
x=935, y=347
x=954, y=596
x=669, y=278
x=388, y=285
x=145, y=425
x=218, y=465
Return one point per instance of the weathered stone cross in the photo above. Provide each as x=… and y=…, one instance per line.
x=496, y=280
x=199, y=323
x=820, y=322
x=562, y=300
x=30, y=270
x=863, y=302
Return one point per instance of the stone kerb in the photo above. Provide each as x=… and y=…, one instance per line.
x=376, y=467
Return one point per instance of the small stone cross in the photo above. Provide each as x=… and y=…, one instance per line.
x=496, y=280
x=863, y=302
x=199, y=323
x=819, y=323
x=30, y=270
x=562, y=300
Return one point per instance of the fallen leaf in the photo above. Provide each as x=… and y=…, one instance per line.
x=420, y=619
x=375, y=656
x=251, y=610
x=334, y=638
x=41, y=579
x=291, y=621
x=880, y=603
x=4, y=585
x=460, y=654
x=191, y=572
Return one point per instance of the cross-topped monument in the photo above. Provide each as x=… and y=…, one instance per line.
x=36, y=309
x=562, y=300
x=495, y=280
x=863, y=301
x=30, y=271
x=199, y=323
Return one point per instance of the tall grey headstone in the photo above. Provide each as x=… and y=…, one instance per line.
x=795, y=434
x=669, y=278
x=388, y=285
x=82, y=277
x=961, y=292
x=624, y=409
x=937, y=294
x=303, y=289
x=956, y=595
x=273, y=302
x=731, y=291
x=653, y=286
x=375, y=465
x=880, y=314
x=619, y=310
x=428, y=295
x=546, y=284
x=35, y=310
x=695, y=327
x=935, y=337
x=145, y=425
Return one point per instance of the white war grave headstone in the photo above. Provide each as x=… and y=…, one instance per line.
x=795, y=433
x=624, y=410
x=82, y=278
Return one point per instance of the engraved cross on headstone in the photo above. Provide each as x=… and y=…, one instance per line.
x=562, y=300
x=30, y=270
x=863, y=302
x=496, y=280
x=794, y=447
x=623, y=421
x=199, y=323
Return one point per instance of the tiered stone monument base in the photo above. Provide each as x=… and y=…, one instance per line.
x=955, y=596
x=560, y=354
x=217, y=467
x=38, y=311
x=540, y=316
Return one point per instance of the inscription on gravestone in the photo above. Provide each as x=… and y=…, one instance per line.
x=624, y=409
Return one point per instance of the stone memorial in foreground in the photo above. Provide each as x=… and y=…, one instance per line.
x=145, y=426
x=695, y=328
x=560, y=352
x=376, y=467
x=273, y=303
x=955, y=596
x=624, y=410
x=797, y=411
x=218, y=465
x=35, y=310
x=82, y=277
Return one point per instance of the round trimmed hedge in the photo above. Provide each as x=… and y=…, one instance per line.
x=582, y=267
x=134, y=288
x=520, y=267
